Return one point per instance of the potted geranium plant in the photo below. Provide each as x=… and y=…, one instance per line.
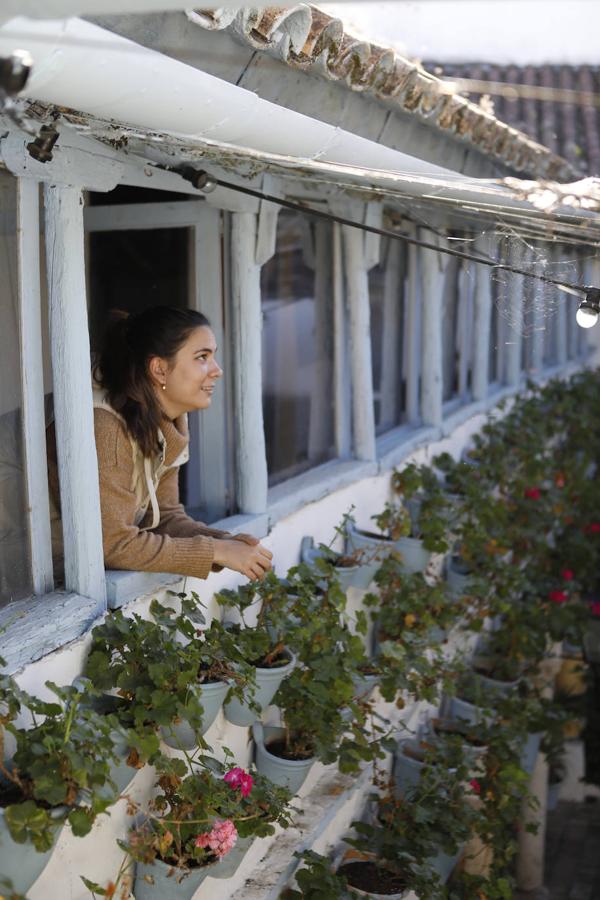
x=195, y=823
x=59, y=772
x=322, y=717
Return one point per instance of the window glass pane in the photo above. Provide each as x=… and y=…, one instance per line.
x=387, y=297
x=450, y=333
x=297, y=347
x=15, y=576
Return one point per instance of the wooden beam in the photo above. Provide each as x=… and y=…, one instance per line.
x=32, y=384
x=412, y=348
x=357, y=286
x=251, y=459
x=432, y=269
x=514, y=332
x=482, y=322
x=342, y=398
x=73, y=410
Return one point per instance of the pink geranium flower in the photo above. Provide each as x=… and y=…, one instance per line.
x=593, y=528
x=475, y=785
x=238, y=778
x=558, y=596
x=532, y=493
x=595, y=608
x=567, y=574
x=220, y=839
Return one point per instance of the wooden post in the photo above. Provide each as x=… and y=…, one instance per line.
x=514, y=335
x=32, y=382
x=483, y=322
x=73, y=410
x=341, y=376
x=357, y=285
x=412, y=351
x=432, y=285
x=251, y=459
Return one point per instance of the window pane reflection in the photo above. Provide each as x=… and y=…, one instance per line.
x=297, y=347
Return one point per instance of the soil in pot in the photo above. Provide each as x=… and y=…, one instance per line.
x=367, y=876
x=278, y=747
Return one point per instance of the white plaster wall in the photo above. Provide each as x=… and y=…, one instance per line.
x=98, y=857
x=502, y=31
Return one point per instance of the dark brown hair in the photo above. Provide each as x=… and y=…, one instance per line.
x=122, y=365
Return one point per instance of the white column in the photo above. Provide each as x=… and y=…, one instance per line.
x=363, y=415
x=432, y=286
x=32, y=383
x=251, y=459
x=483, y=321
x=513, y=333
x=341, y=376
x=412, y=349
x=73, y=410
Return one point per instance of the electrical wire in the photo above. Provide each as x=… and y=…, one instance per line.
x=576, y=290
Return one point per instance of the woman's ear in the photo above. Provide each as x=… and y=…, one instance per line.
x=157, y=369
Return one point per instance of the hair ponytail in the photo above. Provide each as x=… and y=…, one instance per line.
x=122, y=367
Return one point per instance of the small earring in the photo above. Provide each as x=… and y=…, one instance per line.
x=164, y=387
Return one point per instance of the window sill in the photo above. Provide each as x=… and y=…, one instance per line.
x=292, y=495
x=36, y=626
x=458, y=416
x=394, y=446
x=123, y=587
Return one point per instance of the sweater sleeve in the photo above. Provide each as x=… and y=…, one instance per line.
x=126, y=546
x=174, y=520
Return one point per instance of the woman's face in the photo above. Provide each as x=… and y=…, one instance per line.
x=190, y=377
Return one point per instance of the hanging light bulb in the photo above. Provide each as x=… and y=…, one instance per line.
x=589, y=309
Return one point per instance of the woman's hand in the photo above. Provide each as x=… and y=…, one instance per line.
x=244, y=554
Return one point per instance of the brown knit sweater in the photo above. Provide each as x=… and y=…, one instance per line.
x=178, y=544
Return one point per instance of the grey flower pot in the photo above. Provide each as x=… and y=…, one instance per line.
x=157, y=881
x=182, y=736
x=267, y=682
x=415, y=558
x=529, y=751
x=290, y=773
x=228, y=866
x=456, y=580
x=359, y=576
x=406, y=770
x=403, y=895
x=444, y=864
x=591, y=641
x=21, y=862
x=372, y=546
x=458, y=710
x=364, y=685
x=491, y=687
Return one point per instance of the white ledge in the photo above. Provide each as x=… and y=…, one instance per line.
x=124, y=586
x=286, y=498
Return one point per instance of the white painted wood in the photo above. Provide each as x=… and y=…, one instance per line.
x=482, y=322
x=73, y=410
x=463, y=330
x=143, y=216
x=251, y=460
x=76, y=160
x=357, y=286
x=374, y=218
x=560, y=324
x=32, y=384
x=514, y=332
x=342, y=397
x=393, y=298
x=267, y=223
x=412, y=335
x=432, y=286
x=208, y=482
x=319, y=428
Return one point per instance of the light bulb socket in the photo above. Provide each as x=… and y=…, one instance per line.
x=200, y=179
x=15, y=71
x=588, y=311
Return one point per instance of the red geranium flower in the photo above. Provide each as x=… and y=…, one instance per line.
x=595, y=608
x=475, y=785
x=558, y=596
x=533, y=493
x=567, y=574
x=237, y=778
x=593, y=528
